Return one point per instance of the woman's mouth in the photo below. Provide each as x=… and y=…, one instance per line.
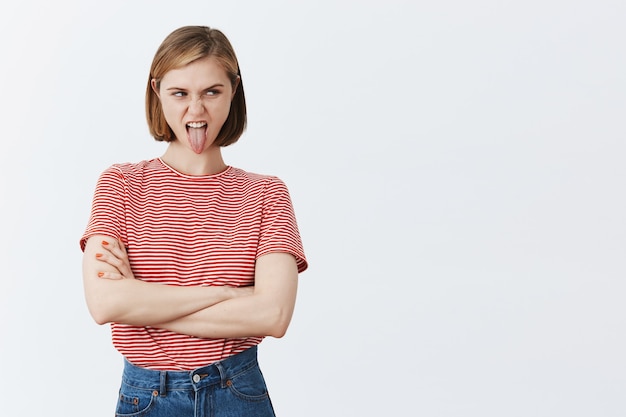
x=196, y=134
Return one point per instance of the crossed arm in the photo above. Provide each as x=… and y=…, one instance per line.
x=114, y=295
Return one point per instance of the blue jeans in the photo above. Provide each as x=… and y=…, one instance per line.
x=228, y=388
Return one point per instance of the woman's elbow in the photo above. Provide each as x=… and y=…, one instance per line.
x=280, y=323
x=278, y=332
x=100, y=319
x=99, y=313
x=103, y=309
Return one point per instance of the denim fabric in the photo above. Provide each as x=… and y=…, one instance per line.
x=232, y=387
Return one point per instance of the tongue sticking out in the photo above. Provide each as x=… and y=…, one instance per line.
x=197, y=138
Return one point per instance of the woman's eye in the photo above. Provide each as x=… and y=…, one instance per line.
x=179, y=94
x=212, y=92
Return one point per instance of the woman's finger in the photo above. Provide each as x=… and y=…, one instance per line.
x=111, y=259
x=115, y=248
x=114, y=254
x=110, y=275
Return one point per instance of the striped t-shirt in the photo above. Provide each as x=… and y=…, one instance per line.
x=190, y=230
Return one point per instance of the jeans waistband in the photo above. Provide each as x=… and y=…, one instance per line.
x=217, y=373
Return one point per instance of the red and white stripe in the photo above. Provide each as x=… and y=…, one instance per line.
x=190, y=230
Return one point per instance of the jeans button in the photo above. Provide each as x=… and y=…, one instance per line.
x=196, y=378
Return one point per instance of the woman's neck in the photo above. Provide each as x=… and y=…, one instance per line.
x=184, y=160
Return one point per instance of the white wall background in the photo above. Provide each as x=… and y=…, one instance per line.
x=457, y=169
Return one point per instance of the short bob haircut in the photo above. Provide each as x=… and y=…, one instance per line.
x=184, y=46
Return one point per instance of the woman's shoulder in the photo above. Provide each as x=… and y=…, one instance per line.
x=264, y=185
x=135, y=167
x=132, y=169
x=253, y=177
x=130, y=172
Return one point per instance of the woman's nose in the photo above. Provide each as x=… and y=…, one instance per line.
x=196, y=106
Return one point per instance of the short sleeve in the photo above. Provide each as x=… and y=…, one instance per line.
x=279, y=229
x=107, y=210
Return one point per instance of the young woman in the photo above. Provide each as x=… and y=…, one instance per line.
x=192, y=261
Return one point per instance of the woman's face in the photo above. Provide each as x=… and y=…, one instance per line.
x=196, y=101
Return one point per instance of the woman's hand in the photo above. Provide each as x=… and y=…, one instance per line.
x=114, y=294
x=114, y=253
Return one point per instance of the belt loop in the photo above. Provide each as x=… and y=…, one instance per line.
x=222, y=371
x=162, y=389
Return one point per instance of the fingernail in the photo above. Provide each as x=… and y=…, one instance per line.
x=105, y=243
x=98, y=255
x=100, y=274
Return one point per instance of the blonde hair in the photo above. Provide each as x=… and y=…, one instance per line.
x=184, y=46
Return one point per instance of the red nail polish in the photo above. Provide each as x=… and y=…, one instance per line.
x=105, y=243
x=100, y=274
x=98, y=255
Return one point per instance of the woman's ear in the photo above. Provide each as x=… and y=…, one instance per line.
x=235, y=85
x=155, y=87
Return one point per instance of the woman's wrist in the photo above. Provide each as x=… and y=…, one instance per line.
x=219, y=293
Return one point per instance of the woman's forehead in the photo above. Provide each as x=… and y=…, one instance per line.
x=207, y=69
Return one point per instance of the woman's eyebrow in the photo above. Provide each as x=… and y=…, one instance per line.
x=184, y=89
